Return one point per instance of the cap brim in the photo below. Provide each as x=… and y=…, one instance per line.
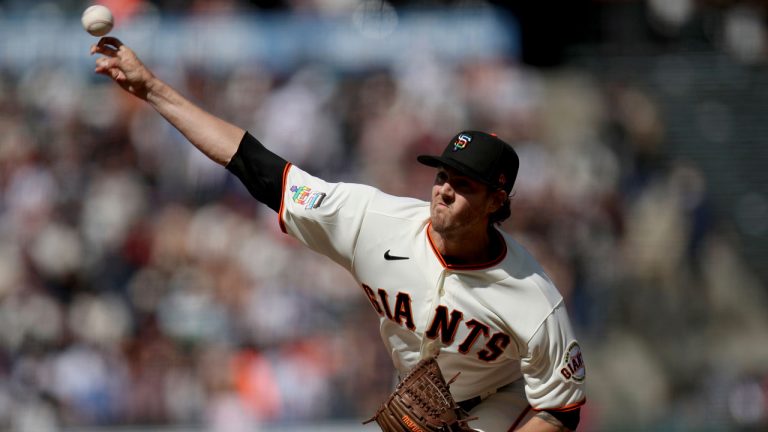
x=439, y=161
x=433, y=161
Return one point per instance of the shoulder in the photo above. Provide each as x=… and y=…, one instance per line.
x=310, y=195
x=391, y=206
x=382, y=202
x=522, y=268
x=518, y=291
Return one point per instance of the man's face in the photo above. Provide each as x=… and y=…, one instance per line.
x=460, y=203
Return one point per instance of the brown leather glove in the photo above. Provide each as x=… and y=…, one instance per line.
x=421, y=402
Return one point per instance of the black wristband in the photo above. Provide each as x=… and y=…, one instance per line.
x=569, y=419
x=260, y=170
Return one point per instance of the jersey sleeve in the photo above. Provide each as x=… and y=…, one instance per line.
x=326, y=217
x=260, y=170
x=553, y=368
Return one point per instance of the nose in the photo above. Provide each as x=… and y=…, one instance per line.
x=445, y=190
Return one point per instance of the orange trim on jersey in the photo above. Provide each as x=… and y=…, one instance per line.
x=519, y=418
x=479, y=266
x=566, y=408
x=282, y=198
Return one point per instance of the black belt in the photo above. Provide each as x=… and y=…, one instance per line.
x=468, y=404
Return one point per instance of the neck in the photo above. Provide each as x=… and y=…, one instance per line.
x=465, y=248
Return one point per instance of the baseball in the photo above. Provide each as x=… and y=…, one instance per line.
x=97, y=20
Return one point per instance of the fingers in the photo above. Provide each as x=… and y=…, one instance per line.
x=118, y=63
x=106, y=50
x=108, y=46
x=110, y=41
x=110, y=67
x=110, y=64
x=104, y=63
x=114, y=73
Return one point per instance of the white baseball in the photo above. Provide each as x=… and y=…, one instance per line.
x=97, y=20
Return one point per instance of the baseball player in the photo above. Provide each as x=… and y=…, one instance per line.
x=441, y=278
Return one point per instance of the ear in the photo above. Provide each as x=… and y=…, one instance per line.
x=498, y=197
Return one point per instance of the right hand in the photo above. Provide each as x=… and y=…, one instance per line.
x=122, y=65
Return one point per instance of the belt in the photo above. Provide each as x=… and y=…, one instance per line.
x=468, y=404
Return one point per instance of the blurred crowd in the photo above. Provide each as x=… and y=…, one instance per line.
x=141, y=284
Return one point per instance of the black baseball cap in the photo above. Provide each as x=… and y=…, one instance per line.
x=480, y=156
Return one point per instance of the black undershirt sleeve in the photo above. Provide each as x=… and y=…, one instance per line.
x=569, y=419
x=260, y=170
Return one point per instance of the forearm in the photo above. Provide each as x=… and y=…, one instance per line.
x=216, y=138
x=260, y=170
x=213, y=136
x=543, y=422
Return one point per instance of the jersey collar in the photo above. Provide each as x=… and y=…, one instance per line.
x=478, y=266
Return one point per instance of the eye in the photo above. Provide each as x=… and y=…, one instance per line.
x=461, y=185
x=441, y=178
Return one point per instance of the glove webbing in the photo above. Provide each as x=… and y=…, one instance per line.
x=422, y=398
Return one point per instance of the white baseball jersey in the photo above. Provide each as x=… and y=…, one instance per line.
x=495, y=323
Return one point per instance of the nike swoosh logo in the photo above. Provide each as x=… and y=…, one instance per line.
x=389, y=257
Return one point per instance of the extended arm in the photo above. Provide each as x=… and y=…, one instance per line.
x=259, y=169
x=215, y=137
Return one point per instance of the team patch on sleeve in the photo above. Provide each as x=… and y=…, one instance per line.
x=304, y=195
x=573, y=364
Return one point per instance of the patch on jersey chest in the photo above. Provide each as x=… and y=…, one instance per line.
x=303, y=195
x=573, y=367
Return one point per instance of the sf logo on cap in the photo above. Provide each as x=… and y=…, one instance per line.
x=461, y=142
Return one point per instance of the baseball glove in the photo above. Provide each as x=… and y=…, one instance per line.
x=422, y=402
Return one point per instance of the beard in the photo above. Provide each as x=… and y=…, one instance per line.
x=446, y=223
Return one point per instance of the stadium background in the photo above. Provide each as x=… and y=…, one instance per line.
x=141, y=288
